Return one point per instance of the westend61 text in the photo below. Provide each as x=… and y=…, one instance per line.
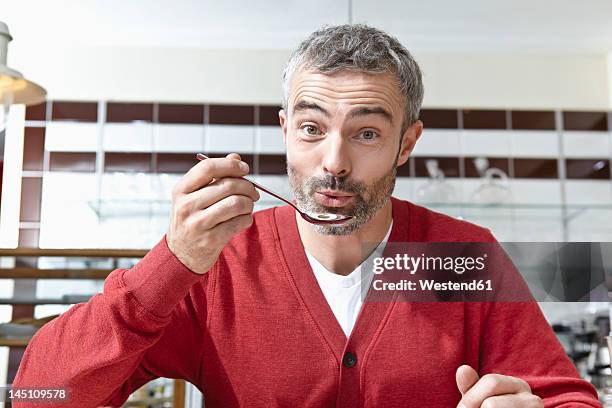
x=429, y=284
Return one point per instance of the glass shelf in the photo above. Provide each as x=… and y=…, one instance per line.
x=105, y=209
x=147, y=208
x=509, y=221
x=550, y=211
x=536, y=222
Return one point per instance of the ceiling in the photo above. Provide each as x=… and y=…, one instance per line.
x=488, y=26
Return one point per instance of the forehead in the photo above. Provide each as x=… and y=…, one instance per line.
x=346, y=89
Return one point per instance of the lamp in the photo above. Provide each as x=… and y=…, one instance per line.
x=14, y=88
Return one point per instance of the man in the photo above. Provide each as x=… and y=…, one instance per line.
x=261, y=310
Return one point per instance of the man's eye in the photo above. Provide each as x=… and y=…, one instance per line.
x=368, y=135
x=310, y=130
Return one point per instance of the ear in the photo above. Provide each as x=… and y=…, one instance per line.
x=409, y=139
x=282, y=117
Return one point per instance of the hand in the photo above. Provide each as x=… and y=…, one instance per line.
x=494, y=391
x=210, y=205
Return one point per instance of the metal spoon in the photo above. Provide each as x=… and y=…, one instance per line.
x=311, y=217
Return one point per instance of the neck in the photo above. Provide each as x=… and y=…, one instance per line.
x=341, y=254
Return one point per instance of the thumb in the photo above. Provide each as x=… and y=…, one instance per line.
x=466, y=377
x=233, y=156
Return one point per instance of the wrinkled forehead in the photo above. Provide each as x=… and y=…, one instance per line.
x=346, y=88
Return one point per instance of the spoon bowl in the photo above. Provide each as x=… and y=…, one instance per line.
x=311, y=217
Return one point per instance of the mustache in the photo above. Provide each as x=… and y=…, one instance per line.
x=329, y=182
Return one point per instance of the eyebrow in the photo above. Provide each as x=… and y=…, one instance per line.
x=377, y=110
x=303, y=106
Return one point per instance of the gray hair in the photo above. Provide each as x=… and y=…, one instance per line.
x=361, y=48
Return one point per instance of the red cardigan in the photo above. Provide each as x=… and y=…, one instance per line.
x=256, y=331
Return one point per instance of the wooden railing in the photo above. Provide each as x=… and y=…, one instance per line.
x=77, y=252
x=19, y=272
x=64, y=273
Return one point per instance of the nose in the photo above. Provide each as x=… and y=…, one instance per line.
x=336, y=160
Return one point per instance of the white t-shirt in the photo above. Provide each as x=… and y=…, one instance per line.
x=343, y=293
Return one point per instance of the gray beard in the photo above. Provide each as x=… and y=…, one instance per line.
x=367, y=199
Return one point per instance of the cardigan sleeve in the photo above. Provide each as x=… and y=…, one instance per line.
x=519, y=342
x=102, y=350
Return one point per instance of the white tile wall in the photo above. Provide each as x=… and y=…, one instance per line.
x=69, y=218
x=423, y=191
x=588, y=224
x=586, y=144
x=143, y=230
x=128, y=137
x=404, y=188
x=438, y=142
x=535, y=226
x=588, y=191
x=526, y=191
x=489, y=143
x=178, y=138
x=269, y=139
x=278, y=184
x=466, y=189
x=507, y=223
x=71, y=137
x=502, y=228
x=230, y=138
x=66, y=219
x=163, y=185
x=130, y=186
x=536, y=144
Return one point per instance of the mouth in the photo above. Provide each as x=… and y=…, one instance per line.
x=333, y=198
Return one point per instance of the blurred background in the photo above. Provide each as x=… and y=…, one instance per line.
x=517, y=114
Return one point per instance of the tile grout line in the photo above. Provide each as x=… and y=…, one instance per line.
x=153, y=161
x=100, y=159
x=47, y=154
x=561, y=170
x=509, y=129
x=205, y=133
x=153, y=164
x=461, y=155
x=256, y=112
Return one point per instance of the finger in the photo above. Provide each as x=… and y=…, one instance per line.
x=523, y=400
x=222, y=211
x=465, y=377
x=492, y=385
x=205, y=171
x=234, y=156
x=218, y=190
x=226, y=230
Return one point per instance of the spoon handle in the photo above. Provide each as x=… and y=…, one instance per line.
x=201, y=156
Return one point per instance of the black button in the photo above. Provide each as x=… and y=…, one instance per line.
x=349, y=359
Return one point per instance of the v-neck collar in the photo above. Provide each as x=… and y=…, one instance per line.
x=307, y=288
x=325, y=277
